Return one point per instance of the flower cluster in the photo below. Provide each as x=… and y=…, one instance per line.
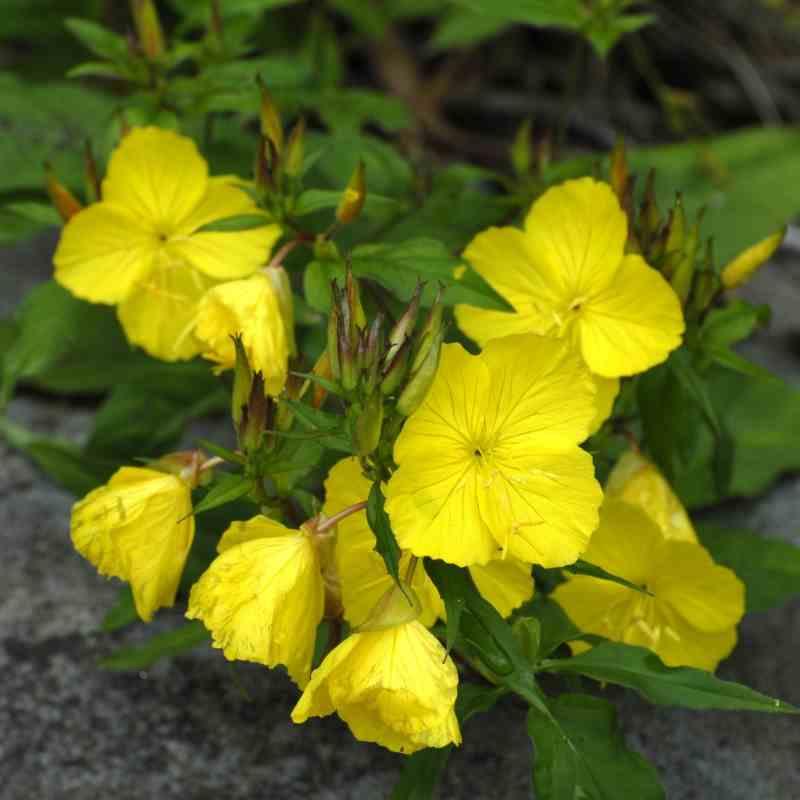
x=480, y=457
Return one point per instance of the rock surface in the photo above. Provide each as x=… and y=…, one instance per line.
x=198, y=728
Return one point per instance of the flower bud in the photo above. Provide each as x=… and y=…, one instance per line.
x=619, y=169
x=148, y=28
x=683, y=275
x=421, y=378
x=649, y=215
x=262, y=173
x=279, y=279
x=394, y=374
x=91, y=174
x=271, y=125
x=242, y=382
x=676, y=232
x=367, y=424
x=347, y=358
x=185, y=464
x=358, y=319
x=739, y=271
x=62, y=198
x=334, y=321
x=424, y=340
x=256, y=417
x=521, y=149
x=402, y=329
x=374, y=348
x=353, y=198
x=295, y=149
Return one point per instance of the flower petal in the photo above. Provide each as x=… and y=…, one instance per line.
x=138, y=527
x=578, y=231
x=632, y=324
x=102, y=254
x=541, y=508
x=506, y=583
x=248, y=307
x=542, y=396
x=606, y=391
x=708, y=596
x=224, y=255
x=160, y=314
x=682, y=645
x=637, y=481
x=432, y=498
x=263, y=599
x=483, y=325
x=158, y=176
x=362, y=571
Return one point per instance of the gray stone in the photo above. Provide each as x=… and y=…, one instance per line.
x=198, y=728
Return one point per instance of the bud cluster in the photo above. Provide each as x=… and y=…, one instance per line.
x=380, y=370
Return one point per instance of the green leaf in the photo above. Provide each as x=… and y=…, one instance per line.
x=122, y=613
x=236, y=223
x=227, y=487
x=462, y=28
x=769, y=568
x=765, y=444
x=76, y=471
x=556, y=627
x=101, y=41
x=582, y=567
x=385, y=543
x=163, y=645
x=740, y=179
x=581, y=753
x=639, y=669
x=399, y=266
x=328, y=426
x=313, y=200
x=423, y=770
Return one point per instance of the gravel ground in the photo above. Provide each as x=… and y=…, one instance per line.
x=196, y=727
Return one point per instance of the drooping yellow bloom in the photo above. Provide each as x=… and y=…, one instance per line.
x=566, y=275
x=506, y=584
x=263, y=597
x=490, y=463
x=138, y=527
x=690, y=616
x=248, y=307
x=140, y=247
x=394, y=686
x=637, y=481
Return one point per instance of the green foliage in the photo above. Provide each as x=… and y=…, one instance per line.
x=580, y=752
x=639, y=669
x=385, y=544
x=769, y=568
x=162, y=645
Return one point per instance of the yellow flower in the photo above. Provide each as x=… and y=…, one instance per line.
x=566, y=275
x=395, y=686
x=506, y=584
x=138, y=527
x=690, y=616
x=248, y=307
x=140, y=249
x=743, y=267
x=263, y=597
x=490, y=463
x=637, y=481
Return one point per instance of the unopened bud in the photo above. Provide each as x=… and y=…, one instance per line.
x=347, y=358
x=416, y=389
x=353, y=197
x=295, y=149
x=282, y=287
x=395, y=372
x=242, y=382
x=262, y=172
x=91, y=174
x=271, y=125
x=521, y=149
x=404, y=326
x=649, y=215
x=683, y=275
x=62, y=198
x=186, y=465
x=739, y=271
x=367, y=425
x=372, y=356
x=676, y=233
x=148, y=28
x=544, y=152
x=619, y=169
x=358, y=318
x=428, y=332
x=256, y=416
x=334, y=321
